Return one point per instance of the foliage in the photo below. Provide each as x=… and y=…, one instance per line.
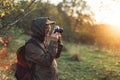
x=78, y=29
x=63, y=14
x=94, y=63
x=45, y=9
x=6, y=7
x=73, y=24
x=12, y=12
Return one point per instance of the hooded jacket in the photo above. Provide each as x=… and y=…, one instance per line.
x=43, y=57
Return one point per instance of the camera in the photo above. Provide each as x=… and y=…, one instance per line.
x=58, y=29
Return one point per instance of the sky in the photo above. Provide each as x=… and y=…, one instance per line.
x=105, y=11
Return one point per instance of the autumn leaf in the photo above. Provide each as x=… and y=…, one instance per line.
x=22, y=10
x=2, y=14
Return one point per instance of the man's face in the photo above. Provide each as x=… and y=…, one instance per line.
x=47, y=29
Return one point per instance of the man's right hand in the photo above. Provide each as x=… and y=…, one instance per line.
x=55, y=36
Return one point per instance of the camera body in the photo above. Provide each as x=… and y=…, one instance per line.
x=58, y=29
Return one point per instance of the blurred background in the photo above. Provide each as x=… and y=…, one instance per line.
x=91, y=36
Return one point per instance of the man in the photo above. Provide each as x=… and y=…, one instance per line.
x=43, y=57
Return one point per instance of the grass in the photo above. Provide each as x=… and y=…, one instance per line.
x=93, y=63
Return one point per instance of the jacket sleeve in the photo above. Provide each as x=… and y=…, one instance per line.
x=35, y=54
x=59, y=49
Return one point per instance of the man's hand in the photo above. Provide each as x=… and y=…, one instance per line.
x=55, y=36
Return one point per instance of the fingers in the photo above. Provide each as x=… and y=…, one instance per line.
x=55, y=36
x=53, y=31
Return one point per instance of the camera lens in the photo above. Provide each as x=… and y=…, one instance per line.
x=56, y=27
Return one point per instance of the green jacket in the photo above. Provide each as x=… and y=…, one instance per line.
x=45, y=66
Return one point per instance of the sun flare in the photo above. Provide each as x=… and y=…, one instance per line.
x=114, y=21
x=115, y=29
x=107, y=12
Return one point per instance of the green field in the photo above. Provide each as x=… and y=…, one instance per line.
x=93, y=63
x=77, y=62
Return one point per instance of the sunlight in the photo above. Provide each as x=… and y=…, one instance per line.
x=115, y=29
x=107, y=12
x=114, y=21
x=113, y=18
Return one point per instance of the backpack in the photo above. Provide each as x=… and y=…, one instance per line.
x=23, y=70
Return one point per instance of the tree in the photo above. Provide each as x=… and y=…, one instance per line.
x=11, y=12
x=77, y=16
x=40, y=9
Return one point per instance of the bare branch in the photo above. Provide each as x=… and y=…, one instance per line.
x=20, y=18
x=32, y=1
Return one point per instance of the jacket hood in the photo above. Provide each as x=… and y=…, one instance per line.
x=38, y=27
